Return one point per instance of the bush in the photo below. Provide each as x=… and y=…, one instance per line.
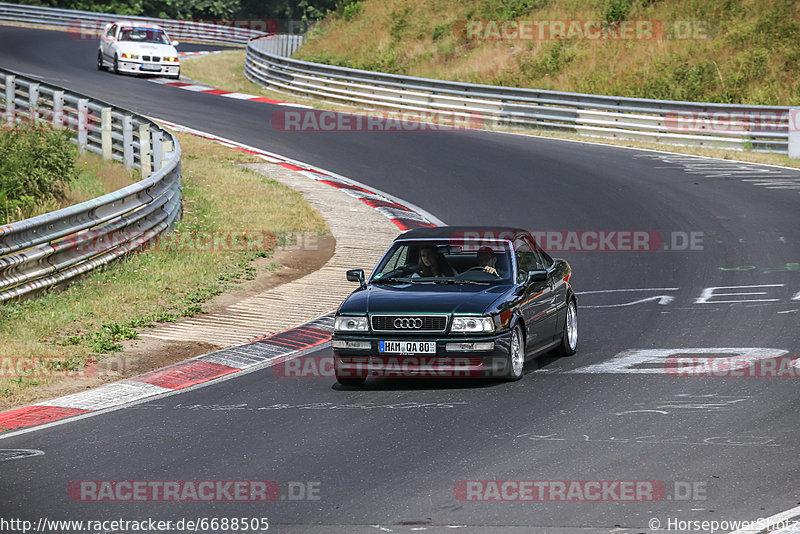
x=352, y=11
x=617, y=10
x=399, y=22
x=508, y=9
x=37, y=164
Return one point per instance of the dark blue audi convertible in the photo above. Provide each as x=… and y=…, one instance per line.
x=455, y=302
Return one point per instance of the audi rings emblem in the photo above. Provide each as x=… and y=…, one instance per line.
x=407, y=322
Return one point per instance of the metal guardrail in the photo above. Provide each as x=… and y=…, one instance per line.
x=758, y=128
x=49, y=249
x=277, y=45
x=88, y=24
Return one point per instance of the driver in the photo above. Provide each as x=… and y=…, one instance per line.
x=487, y=260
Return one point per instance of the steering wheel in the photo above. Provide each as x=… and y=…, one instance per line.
x=482, y=269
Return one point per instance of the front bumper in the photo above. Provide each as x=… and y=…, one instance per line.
x=445, y=363
x=137, y=67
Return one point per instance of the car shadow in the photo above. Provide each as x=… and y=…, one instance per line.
x=429, y=384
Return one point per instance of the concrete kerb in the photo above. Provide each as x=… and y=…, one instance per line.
x=386, y=218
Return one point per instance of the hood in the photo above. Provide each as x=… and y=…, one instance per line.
x=151, y=49
x=427, y=298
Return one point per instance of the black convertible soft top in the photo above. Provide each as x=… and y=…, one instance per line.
x=445, y=232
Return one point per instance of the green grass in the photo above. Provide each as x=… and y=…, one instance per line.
x=737, y=51
x=94, y=315
x=226, y=70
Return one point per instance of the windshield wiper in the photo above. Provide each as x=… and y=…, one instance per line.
x=400, y=281
x=459, y=281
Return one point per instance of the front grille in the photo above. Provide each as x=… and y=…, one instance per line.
x=151, y=58
x=409, y=323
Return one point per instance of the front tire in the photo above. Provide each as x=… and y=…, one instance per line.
x=569, y=336
x=350, y=381
x=516, y=356
x=116, y=65
x=346, y=378
x=100, y=65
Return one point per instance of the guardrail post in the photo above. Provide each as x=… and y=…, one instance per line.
x=144, y=150
x=105, y=133
x=158, y=150
x=127, y=141
x=83, y=124
x=58, y=109
x=167, y=148
x=33, y=102
x=794, y=133
x=11, y=91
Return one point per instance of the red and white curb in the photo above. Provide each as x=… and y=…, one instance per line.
x=260, y=352
x=200, y=88
x=264, y=352
x=200, y=53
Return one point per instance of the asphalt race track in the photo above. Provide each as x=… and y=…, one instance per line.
x=393, y=453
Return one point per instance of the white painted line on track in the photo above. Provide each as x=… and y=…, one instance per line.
x=790, y=517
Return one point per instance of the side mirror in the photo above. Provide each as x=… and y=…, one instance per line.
x=175, y=43
x=536, y=275
x=356, y=275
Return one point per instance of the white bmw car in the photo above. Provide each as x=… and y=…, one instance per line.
x=138, y=48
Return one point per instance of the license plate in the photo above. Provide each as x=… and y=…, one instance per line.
x=407, y=347
x=151, y=67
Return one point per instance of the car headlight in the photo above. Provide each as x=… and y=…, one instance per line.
x=126, y=55
x=472, y=324
x=170, y=59
x=350, y=324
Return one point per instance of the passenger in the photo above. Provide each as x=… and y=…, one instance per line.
x=431, y=263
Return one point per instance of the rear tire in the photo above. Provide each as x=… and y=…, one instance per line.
x=569, y=336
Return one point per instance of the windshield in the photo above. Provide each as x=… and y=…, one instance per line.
x=445, y=262
x=144, y=35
